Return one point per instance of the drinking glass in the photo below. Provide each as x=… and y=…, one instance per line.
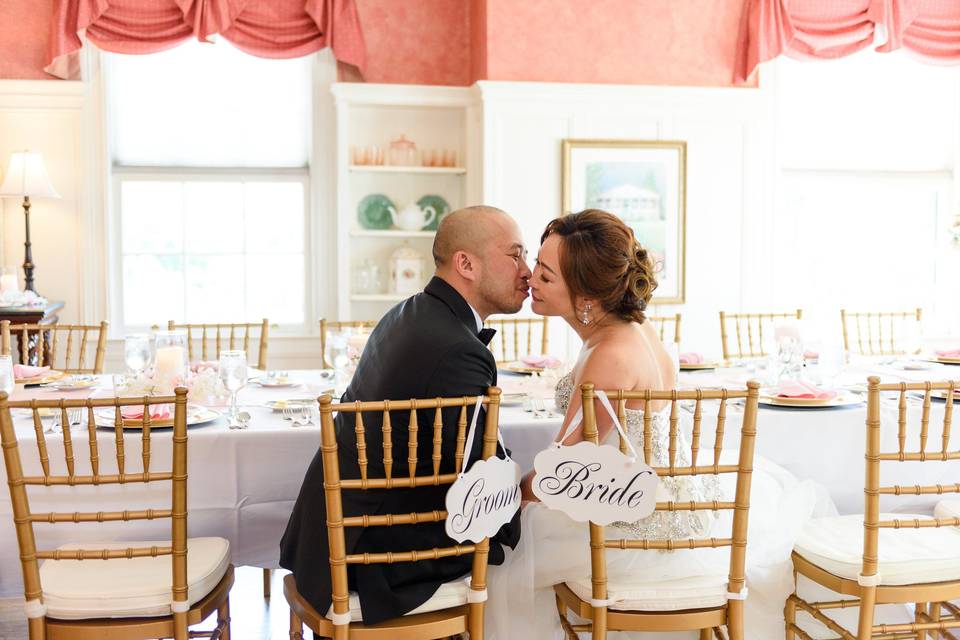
x=6, y=374
x=338, y=352
x=137, y=353
x=830, y=363
x=233, y=374
x=912, y=338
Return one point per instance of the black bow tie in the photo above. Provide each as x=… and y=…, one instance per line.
x=486, y=335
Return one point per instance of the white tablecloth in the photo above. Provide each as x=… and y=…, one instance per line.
x=243, y=483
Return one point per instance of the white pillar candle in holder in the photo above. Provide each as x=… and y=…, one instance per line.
x=170, y=359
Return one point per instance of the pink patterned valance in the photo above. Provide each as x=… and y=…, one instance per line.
x=801, y=29
x=265, y=28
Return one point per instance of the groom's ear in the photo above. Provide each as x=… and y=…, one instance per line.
x=465, y=265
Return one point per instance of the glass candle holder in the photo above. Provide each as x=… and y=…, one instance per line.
x=170, y=356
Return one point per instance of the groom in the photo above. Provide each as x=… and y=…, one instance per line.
x=430, y=345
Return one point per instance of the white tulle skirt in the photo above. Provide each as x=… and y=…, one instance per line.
x=554, y=549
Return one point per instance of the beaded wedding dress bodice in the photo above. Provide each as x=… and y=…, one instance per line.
x=661, y=525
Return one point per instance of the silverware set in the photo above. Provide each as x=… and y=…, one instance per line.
x=538, y=407
x=298, y=416
x=55, y=419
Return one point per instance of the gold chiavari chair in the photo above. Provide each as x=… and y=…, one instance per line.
x=518, y=337
x=608, y=608
x=112, y=590
x=226, y=336
x=338, y=325
x=662, y=322
x=826, y=549
x=749, y=329
x=75, y=339
x=871, y=338
x=465, y=617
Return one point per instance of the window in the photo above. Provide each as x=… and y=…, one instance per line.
x=865, y=188
x=210, y=174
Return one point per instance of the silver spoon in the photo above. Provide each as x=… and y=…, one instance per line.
x=242, y=421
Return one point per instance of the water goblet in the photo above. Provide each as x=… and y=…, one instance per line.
x=337, y=354
x=233, y=374
x=137, y=353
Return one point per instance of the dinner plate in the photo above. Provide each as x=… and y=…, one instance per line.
x=700, y=366
x=276, y=383
x=917, y=365
x=296, y=403
x=196, y=415
x=840, y=400
x=943, y=360
x=49, y=376
x=520, y=367
x=511, y=399
x=72, y=383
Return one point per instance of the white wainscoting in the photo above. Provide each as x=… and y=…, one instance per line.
x=729, y=174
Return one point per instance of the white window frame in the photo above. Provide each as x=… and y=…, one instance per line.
x=120, y=174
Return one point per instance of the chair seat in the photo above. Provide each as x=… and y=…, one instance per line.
x=128, y=588
x=637, y=594
x=450, y=594
x=906, y=556
x=947, y=509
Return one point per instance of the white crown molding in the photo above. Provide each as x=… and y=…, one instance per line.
x=403, y=95
x=490, y=90
x=42, y=94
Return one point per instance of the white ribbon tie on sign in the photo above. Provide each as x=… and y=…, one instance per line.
x=595, y=483
x=486, y=497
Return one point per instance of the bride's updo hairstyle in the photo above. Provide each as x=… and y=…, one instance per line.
x=601, y=259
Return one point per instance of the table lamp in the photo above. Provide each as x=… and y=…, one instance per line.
x=27, y=177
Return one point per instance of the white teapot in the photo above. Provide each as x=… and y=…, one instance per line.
x=412, y=217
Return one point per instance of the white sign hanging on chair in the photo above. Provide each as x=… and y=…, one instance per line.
x=595, y=483
x=485, y=498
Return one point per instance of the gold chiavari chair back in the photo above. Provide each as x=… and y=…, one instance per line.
x=409, y=472
x=749, y=330
x=708, y=620
x=878, y=333
x=45, y=620
x=212, y=338
x=662, y=324
x=519, y=337
x=864, y=580
x=327, y=326
x=64, y=347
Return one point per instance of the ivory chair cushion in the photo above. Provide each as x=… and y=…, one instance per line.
x=129, y=588
x=450, y=594
x=947, y=509
x=907, y=556
x=638, y=594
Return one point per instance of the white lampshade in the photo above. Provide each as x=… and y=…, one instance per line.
x=27, y=176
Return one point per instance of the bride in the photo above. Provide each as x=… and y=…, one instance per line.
x=593, y=273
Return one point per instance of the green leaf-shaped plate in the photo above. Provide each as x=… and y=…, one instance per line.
x=439, y=205
x=373, y=212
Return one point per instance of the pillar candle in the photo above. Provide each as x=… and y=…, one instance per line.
x=169, y=362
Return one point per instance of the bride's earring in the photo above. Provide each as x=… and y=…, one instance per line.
x=585, y=317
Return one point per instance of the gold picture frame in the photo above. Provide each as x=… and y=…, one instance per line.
x=644, y=182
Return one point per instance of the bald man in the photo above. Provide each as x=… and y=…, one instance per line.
x=431, y=345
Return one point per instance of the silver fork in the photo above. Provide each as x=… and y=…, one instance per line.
x=306, y=418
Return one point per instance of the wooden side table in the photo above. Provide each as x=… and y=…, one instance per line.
x=43, y=315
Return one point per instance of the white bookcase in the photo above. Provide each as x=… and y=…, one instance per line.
x=374, y=114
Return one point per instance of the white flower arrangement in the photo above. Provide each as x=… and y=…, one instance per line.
x=205, y=386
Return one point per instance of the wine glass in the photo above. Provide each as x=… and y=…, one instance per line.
x=831, y=360
x=137, y=353
x=6, y=374
x=233, y=374
x=338, y=352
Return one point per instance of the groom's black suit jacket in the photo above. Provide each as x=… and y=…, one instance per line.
x=425, y=347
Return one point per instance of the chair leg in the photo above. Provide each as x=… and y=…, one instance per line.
x=735, y=619
x=223, y=617
x=919, y=611
x=267, y=576
x=599, y=623
x=36, y=628
x=868, y=598
x=568, y=632
x=706, y=634
x=934, y=613
x=789, y=618
x=296, y=627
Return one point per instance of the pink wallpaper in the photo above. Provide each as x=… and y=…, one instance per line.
x=613, y=41
x=415, y=41
x=24, y=30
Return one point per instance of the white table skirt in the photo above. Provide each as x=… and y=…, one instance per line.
x=243, y=483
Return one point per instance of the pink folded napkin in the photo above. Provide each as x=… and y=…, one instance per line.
x=157, y=412
x=803, y=390
x=25, y=371
x=540, y=361
x=810, y=355
x=949, y=353
x=204, y=365
x=691, y=358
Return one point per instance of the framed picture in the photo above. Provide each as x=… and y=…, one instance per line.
x=644, y=183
